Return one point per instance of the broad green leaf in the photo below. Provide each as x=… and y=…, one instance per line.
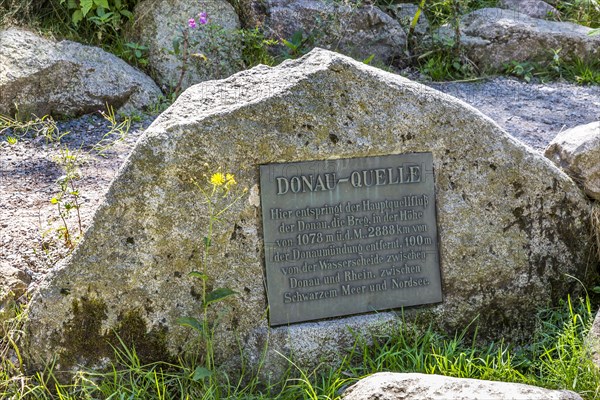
x=191, y=323
x=126, y=13
x=54, y=200
x=197, y=274
x=118, y=4
x=102, y=3
x=76, y=17
x=72, y=4
x=201, y=373
x=86, y=6
x=297, y=38
x=218, y=295
x=176, y=43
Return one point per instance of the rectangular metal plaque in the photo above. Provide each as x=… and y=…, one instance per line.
x=349, y=236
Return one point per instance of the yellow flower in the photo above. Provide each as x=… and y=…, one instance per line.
x=217, y=179
x=230, y=180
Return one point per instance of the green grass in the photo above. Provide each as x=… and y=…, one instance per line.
x=583, y=12
x=557, y=358
x=582, y=72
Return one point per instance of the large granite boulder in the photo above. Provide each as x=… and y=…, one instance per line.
x=214, y=49
x=355, y=30
x=40, y=76
x=509, y=221
x=493, y=37
x=577, y=152
x=395, y=386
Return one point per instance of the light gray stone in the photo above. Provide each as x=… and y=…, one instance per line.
x=506, y=215
x=40, y=76
x=412, y=386
x=13, y=284
x=493, y=37
x=595, y=339
x=157, y=23
x=532, y=8
x=358, y=31
x=577, y=152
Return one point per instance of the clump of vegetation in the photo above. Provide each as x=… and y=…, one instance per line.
x=97, y=22
x=67, y=198
x=582, y=12
x=583, y=72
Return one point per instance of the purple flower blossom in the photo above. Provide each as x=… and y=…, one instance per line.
x=192, y=23
x=203, y=18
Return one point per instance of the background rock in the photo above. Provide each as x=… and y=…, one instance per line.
x=507, y=216
x=532, y=8
x=493, y=37
x=357, y=31
x=395, y=386
x=13, y=284
x=157, y=23
x=577, y=152
x=595, y=339
x=39, y=76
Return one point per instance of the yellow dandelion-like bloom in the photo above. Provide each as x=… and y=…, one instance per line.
x=217, y=179
x=230, y=180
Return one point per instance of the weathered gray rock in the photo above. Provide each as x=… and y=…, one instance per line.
x=358, y=31
x=158, y=23
x=595, y=339
x=507, y=217
x=532, y=8
x=395, y=386
x=493, y=37
x=577, y=152
x=13, y=284
x=39, y=76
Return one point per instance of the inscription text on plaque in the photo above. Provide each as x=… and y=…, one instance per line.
x=349, y=236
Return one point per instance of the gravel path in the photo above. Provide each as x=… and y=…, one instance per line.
x=29, y=169
x=534, y=113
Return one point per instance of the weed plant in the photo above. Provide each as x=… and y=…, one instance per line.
x=557, y=358
x=218, y=199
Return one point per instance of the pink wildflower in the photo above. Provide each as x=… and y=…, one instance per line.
x=203, y=18
x=192, y=23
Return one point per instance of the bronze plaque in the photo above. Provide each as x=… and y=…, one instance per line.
x=349, y=236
